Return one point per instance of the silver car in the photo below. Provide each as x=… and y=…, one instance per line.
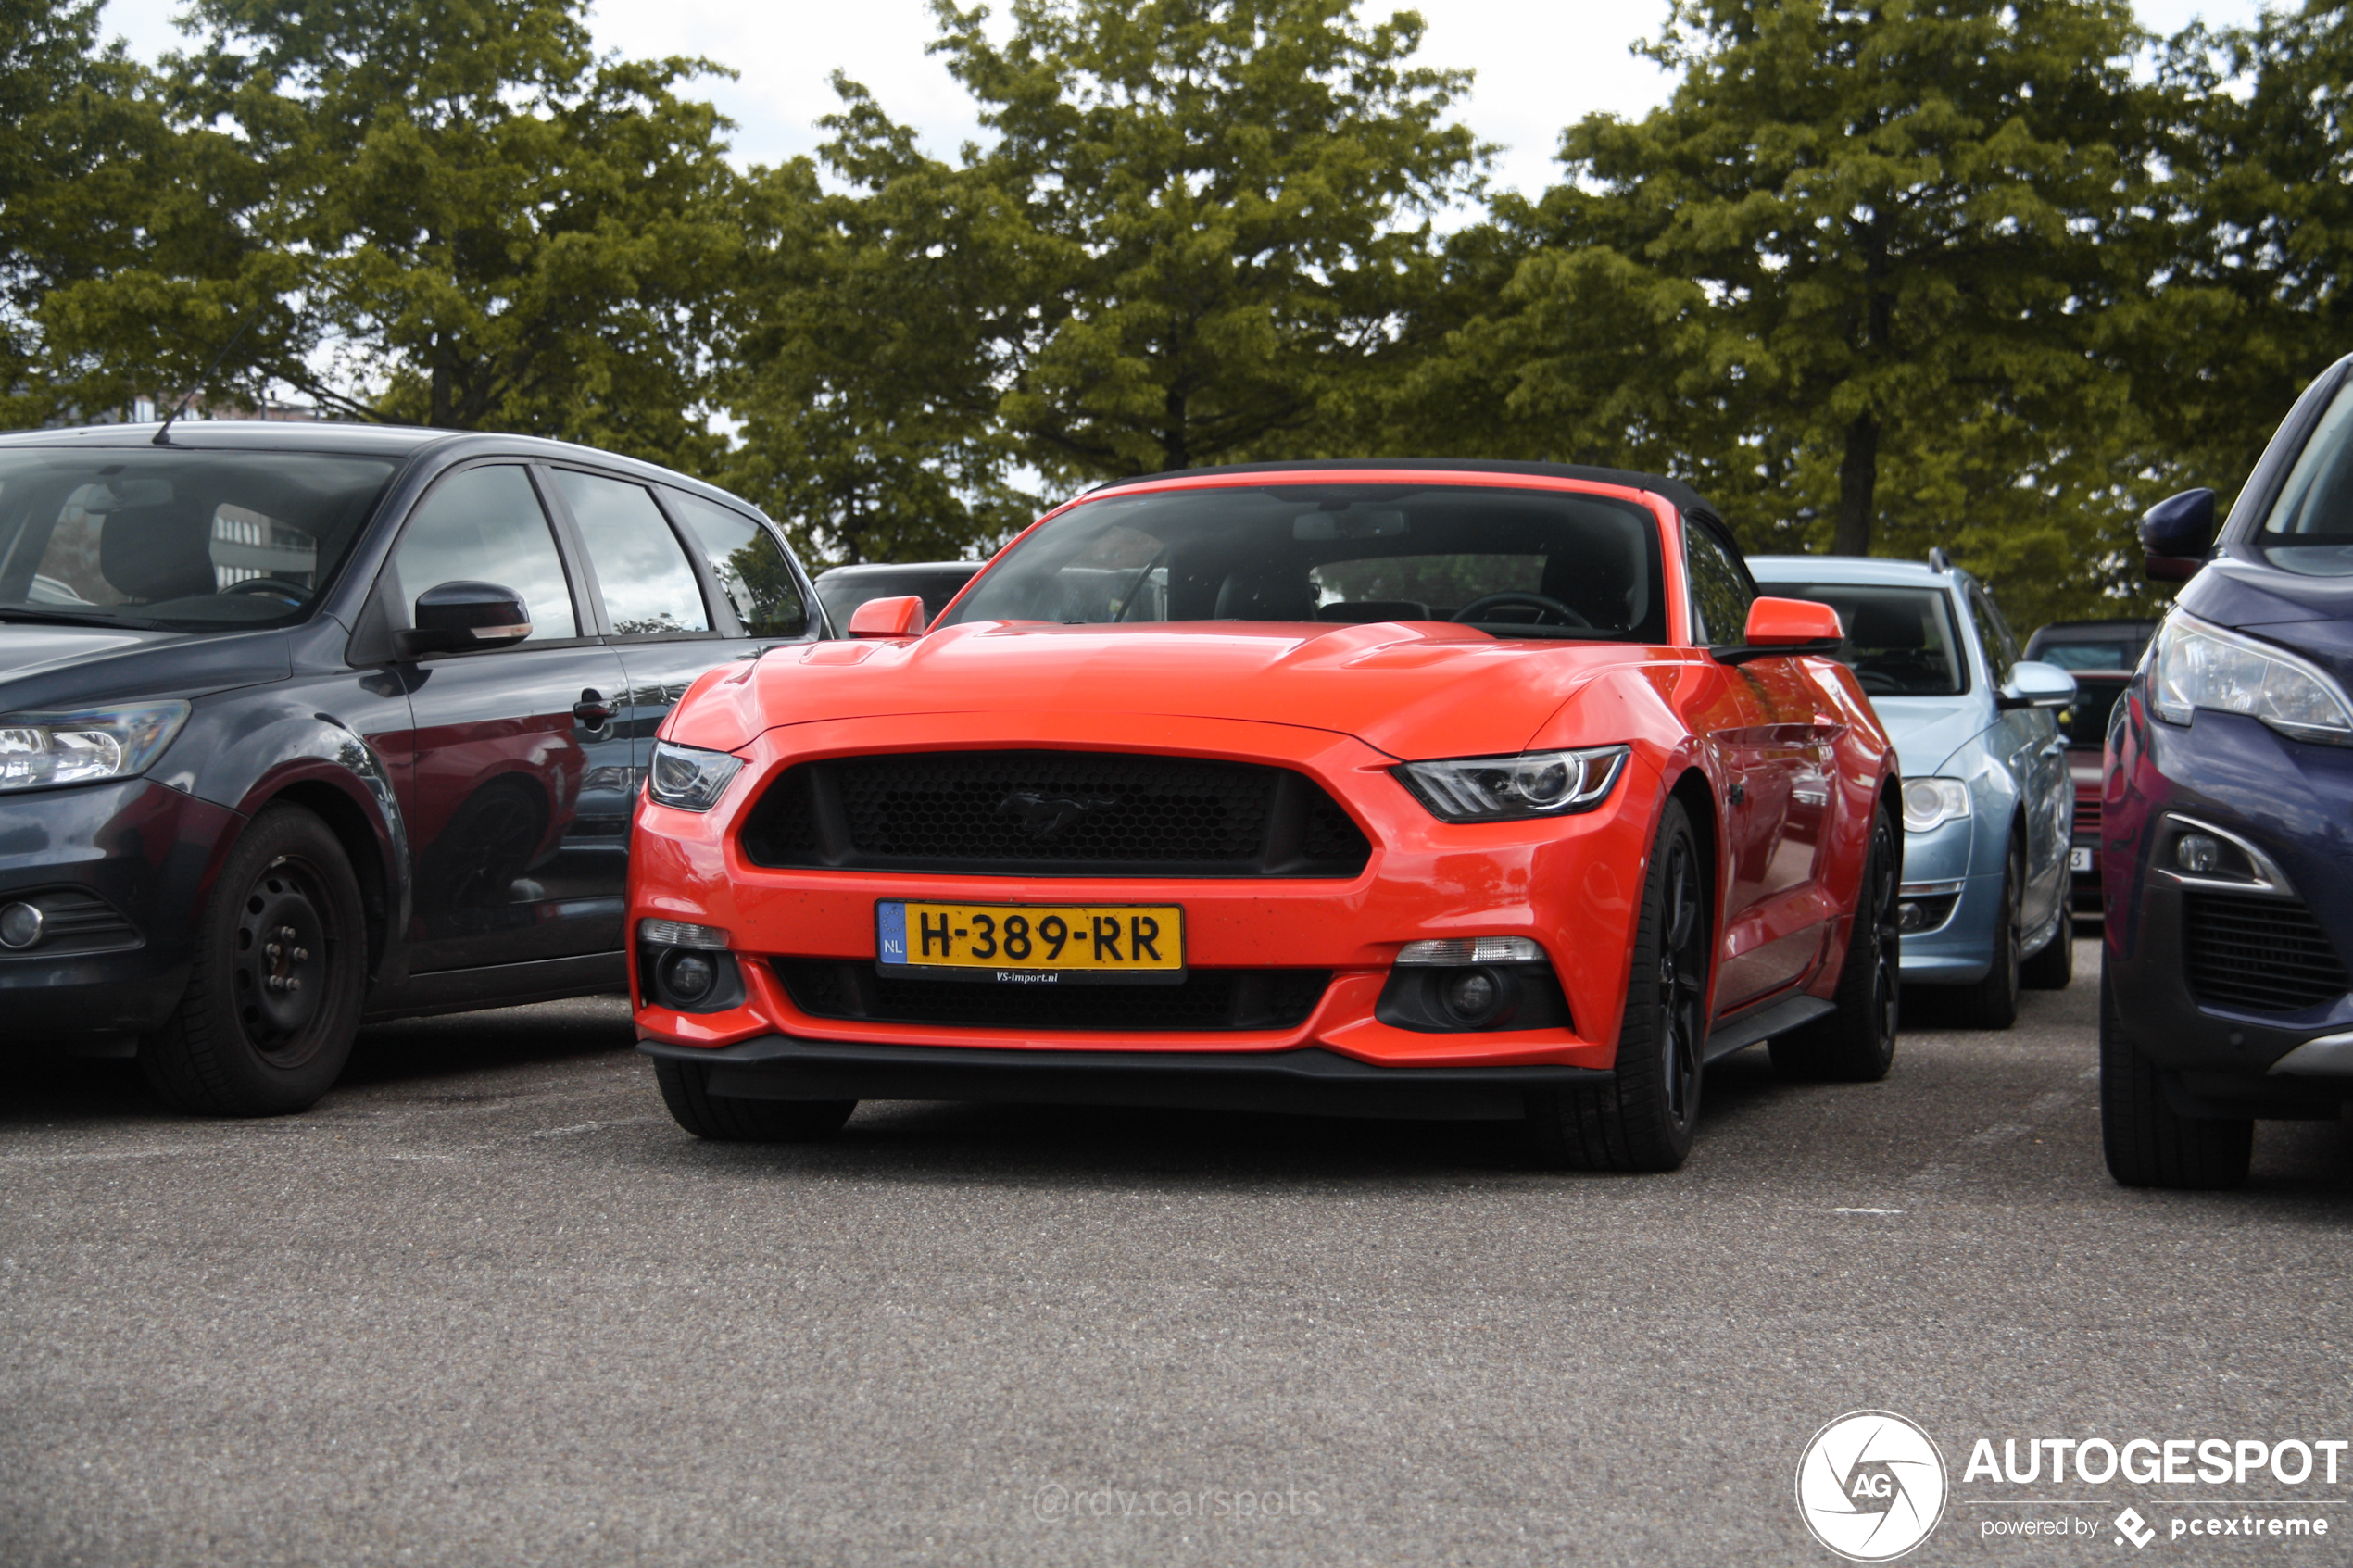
x=1988, y=808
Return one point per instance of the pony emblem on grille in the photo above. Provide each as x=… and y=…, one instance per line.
x=1045, y=816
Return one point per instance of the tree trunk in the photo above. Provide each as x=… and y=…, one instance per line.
x=1174, y=449
x=438, y=411
x=1857, y=479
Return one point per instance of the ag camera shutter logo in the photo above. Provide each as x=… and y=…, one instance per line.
x=1871, y=1486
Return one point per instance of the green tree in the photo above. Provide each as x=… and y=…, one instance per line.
x=450, y=201
x=867, y=377
x=1194, y=238
x=1856, y=267
x=83, y=124
x=2255, y=236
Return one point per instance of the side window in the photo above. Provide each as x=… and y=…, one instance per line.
x=485, y=525
x=1720, y=594
x=2001, y=648
x=641, y=570
x=750, y=564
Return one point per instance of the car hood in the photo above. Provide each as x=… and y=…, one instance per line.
x=1928, y=730
x=1412, y=690
x=2311, y=615
x=44, y=666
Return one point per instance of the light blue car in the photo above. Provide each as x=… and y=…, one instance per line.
x=1988, y=807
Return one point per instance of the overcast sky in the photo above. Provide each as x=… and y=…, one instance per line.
x=1541, y=64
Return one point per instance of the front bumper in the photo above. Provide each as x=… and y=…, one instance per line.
x=1959, y=950
x=1302, y=1081
x=1570, y=883
x=2295, y=803
x=148, y=852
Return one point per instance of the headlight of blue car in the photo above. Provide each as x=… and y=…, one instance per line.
x=2196, y=665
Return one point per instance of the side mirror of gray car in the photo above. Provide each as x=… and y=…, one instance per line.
x=456, y=617
x=2036, y=684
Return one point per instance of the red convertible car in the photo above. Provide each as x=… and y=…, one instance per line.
x=1424, y=789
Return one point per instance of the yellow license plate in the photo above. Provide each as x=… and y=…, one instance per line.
x=1032, y=944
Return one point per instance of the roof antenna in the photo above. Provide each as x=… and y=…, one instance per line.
x=164, y=431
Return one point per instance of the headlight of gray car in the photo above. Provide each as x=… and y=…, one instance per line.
x=1931, y=803
x=43, y=750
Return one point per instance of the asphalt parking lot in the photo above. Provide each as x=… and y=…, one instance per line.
x=486, y=1305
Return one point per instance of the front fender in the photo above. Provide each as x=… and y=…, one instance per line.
x=247, y=753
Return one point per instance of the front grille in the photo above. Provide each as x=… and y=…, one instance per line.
x=1053, y=814
x=2088, y=810
x=1208, y=1000
x=2260, y=954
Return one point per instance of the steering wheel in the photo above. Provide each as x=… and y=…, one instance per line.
x=1876, y=683
x=1542, y=602
x=292, y=593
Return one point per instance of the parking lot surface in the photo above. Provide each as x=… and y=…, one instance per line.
x=487, y=1305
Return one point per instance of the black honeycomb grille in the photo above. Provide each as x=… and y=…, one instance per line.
x=2258, y=954
x=1059, y=813
x=1209, y=1000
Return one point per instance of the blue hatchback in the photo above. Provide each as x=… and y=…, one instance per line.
x=1988, y=807
x=2226, y=862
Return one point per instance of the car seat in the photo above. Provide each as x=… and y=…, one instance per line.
x=158, y=552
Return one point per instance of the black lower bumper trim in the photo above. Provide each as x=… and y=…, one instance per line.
x=1309, y=1080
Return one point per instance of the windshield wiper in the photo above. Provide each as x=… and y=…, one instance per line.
x=38, y=615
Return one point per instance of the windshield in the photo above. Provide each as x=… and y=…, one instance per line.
x=1899, y=641
x=1513, y=563
x=190, y=539
x=2311, y=527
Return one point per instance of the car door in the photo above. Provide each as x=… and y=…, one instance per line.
x=505, y=742
x=682, y=584
x=2031, y=745
x=1773, y=752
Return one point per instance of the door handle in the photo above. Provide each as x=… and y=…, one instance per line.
x=593, y=710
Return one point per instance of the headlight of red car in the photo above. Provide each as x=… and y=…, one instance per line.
x=1503, y=789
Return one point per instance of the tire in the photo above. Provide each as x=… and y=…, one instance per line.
x=1642, y=1119
x=2053, y=969
x=268, y=1017
x=2146, y=1143
x=1857, y=1044
x=725, y=1119
x=1992, y=1003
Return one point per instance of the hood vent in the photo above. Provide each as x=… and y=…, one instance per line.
x=1053, y=814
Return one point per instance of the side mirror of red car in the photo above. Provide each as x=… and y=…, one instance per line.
x=1783, y=626
x=888, y=618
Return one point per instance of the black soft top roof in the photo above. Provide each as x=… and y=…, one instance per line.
x=1682, y=495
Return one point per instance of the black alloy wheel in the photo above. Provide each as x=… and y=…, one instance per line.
x=1643, y=1119
x=1856, y=1044
x=273, y=996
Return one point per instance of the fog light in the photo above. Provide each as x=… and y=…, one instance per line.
x=1478, y=998
x=688, y=976
x=2197, y=852
x=1910, y=917
x=19, y=926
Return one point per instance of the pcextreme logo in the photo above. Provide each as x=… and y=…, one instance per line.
x=1871, y=1486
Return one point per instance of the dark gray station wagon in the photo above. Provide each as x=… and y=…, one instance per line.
x=307, y=724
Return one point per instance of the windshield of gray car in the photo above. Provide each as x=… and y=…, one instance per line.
x=1511, y=562
x=1899, y=641
x=189, y=539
